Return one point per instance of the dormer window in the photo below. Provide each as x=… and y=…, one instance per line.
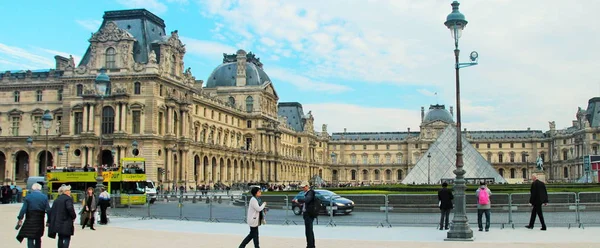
x=79, y=90
x=110, y=58
x=17, y=96
x=137, y=88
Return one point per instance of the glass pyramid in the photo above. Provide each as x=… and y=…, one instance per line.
x=443, y=162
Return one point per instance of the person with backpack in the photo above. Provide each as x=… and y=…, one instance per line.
x=310, y=211
x=483, y=206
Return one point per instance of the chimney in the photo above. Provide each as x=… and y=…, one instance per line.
x=240, y=79
x=344, y=130
x=452, y=111
x=528, y=128
x=422, y=113
x=409, y=130
x=61, y=62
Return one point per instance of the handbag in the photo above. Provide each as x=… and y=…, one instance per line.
x=18, y=226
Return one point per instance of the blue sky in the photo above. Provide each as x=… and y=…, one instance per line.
x=361, y=65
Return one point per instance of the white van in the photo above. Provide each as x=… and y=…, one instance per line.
x=151, y=191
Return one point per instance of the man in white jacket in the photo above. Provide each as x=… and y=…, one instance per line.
x=255, y=217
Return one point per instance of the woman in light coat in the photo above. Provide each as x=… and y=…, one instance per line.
x=255, y=217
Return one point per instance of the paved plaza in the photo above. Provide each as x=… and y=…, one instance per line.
x=133, y=232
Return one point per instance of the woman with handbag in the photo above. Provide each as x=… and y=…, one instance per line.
x=89, y=208
x=255, y=217
x=104, y=203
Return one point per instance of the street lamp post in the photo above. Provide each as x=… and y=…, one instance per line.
x=527, y=166
x=102, y=82
x=429, y=168
x=67, y=146
x=460, y=230
x=30, y=148
x=47, y=122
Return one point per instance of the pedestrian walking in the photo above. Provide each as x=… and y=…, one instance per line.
x=62, y=216
x=88, y=207
x=484, y=206
x=538, y=197
x=35, y=206
x=104, y=202
x=445, y=198
x=255, y=218
x=310, y=211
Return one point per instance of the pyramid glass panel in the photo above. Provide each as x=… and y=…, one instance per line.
x=440, y=167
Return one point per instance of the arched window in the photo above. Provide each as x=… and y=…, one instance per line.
x=399, y=175
x=79, y=90
x=501, y=172
x=512, y=173
x=108, y=120
x=60, y=94
x=249, y=104
x=377, y=174
x=524, y=172
x=231, y=101
x=39, y=95
x=365, y=175
x=353, y=175
x=566, y=172
x=137, y=88
x=175, y=124
x=110, y=58
x=17, y=96
x=388, y=175
x=173, y=65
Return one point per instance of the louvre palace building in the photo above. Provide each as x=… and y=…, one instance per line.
x=231, y=127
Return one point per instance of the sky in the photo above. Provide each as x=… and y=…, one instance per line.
x=367, y=66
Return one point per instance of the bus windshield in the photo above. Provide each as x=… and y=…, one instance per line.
x=128, y=187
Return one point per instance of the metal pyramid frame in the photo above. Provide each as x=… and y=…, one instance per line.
x=442, y=163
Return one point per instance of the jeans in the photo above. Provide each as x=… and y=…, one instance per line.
x=103, y=218
x=253, y=235
x=64, y=241
x=308, y=230
x=34, y=243
x=444, y=218
x=480, y=213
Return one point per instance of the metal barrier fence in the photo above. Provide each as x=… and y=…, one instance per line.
x=508, y=210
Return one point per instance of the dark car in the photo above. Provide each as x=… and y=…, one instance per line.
x=340, y=204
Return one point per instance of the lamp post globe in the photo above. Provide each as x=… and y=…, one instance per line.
x=47, y=119
x=101, y=82
x=459, y=230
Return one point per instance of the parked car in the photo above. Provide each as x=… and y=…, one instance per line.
x=341, y=205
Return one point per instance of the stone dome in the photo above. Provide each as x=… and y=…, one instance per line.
x=225, y=74
x=438, y=113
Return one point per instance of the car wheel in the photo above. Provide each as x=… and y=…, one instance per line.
x=296, y=210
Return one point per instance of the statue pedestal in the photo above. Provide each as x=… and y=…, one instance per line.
x=541, y=175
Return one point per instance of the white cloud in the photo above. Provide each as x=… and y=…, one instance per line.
x=90, y=25
x=18, y=58
x=153, y=5
x=533, y=68
x=12, y=55
x=210, y=49
x=303, y=83
x=427, y=92
x=357, y=118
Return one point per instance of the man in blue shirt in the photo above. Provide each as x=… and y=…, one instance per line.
x=35, y=205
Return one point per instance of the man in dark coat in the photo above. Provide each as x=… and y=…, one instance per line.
x=308, y=213
x=538, y=196
x=34, y=207
x=445, y=198
x=62, y=216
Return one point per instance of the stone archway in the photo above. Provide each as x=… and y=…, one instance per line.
x=107, y=158
x=42, y=164
x=213, y=175
x=21, y=166
x=229, y=171
x=221, y=171
x=3, y=171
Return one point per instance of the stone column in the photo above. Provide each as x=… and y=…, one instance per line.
x=184, y=129
x=117, y=117
x=168, y=125
x=92, y=118
x=85, y=119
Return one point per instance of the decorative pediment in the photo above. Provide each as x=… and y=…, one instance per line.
x=78, y=107
x=15, y=112
x=137, y=105
x=37, y=111
x=270, y=89
x=57, y=111
x=111, y=32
